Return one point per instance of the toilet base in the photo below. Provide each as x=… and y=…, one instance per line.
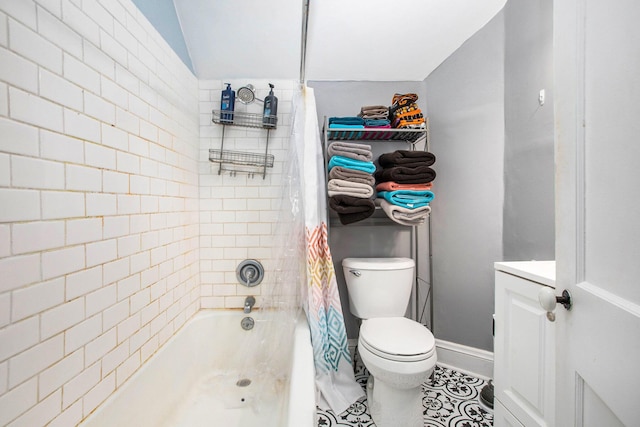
x=393, y=407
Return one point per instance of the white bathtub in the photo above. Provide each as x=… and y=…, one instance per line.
x=191, y=381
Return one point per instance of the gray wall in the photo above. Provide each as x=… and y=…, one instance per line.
x=465, y=98
x=162, y=15
x=482, y=100
x=529, y=154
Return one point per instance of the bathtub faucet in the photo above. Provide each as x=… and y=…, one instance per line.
x=249, y=303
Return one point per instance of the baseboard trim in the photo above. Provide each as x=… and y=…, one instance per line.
x=470, y=360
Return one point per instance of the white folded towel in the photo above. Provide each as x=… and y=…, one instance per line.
x=348, y=188
x=351, y=150
x=403, y=215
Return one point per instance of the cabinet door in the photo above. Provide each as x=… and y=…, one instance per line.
x=502, y=417
x=524, y=352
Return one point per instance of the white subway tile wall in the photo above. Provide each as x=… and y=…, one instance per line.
x=238, y=213
x=99, y=203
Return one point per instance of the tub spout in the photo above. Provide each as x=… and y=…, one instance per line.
x=249, y=303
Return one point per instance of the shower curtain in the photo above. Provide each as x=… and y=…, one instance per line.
x=336, y=386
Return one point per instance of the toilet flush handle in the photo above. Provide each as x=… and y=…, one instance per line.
x=355, y=273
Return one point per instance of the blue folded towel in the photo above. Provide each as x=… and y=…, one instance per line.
x=410, y=199
x=376, y=122
x=343, y=131
x=347, y=120
x=343, y=126
x=348, y=163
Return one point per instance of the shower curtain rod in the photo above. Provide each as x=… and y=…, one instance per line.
x=303, y=41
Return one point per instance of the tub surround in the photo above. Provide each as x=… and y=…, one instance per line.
x=107, y=197
x=99, y=230
x=238, y=214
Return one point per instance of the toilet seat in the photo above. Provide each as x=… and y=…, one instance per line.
x=397, y=338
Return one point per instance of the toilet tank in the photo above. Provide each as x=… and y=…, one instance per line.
x=378, y=287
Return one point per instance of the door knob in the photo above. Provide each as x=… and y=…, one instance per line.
x=548, y=301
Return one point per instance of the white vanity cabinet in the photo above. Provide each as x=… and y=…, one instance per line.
x=524, y=346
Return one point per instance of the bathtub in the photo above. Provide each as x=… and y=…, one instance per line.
x=197, y=379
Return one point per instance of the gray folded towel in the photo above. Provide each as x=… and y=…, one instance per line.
x=351, y=150
x=347, y=188
x=374, y=112
x=403, y=215
x=353, y=175
x=374, y=109
x=375, y=116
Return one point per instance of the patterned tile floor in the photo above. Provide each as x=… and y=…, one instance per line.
x=449, y=400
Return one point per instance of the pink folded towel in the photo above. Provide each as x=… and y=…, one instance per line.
x=393, y=186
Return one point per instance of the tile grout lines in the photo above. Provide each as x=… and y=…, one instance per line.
x=450, y=399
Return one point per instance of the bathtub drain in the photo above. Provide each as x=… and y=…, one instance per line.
x=243, y=382
x=247, y=323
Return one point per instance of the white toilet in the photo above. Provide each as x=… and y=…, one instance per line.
x=399, y=353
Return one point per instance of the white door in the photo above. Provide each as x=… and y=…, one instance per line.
x=597, y=90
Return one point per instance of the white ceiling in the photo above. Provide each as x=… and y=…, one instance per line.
x=369, y=40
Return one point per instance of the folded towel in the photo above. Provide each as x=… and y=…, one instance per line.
x=351, y=209
x=352, y=175
x=409, y=124
x=404, y=216
x=401, y=100
x=349, y=188
x=345, y=126
x=405, y=175
x=403, y=116
x=346, y=162
x=393, y=186
x=406, y=158
x=379, y=116
x=378, y=127
x=346, y=120
x=376, y=122
x=350, y=150
x=410, y=199
x=374, y=109
x=411, y=111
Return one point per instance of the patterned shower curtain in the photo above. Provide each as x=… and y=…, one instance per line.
x=335, y=383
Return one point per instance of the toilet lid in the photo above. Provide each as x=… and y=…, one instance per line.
x=397, y=338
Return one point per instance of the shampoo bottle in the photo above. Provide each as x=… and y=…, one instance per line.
x=227, y=104
x=270, y=111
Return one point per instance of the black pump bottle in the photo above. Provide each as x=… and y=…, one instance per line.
x=270, y=111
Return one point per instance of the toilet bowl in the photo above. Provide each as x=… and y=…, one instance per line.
x=398, y=352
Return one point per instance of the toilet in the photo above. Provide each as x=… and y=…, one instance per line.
x=398, y=352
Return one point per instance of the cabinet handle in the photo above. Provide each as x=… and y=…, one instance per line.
x=548, y=301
